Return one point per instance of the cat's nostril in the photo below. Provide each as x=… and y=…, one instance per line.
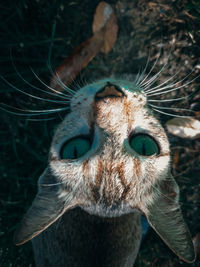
x=109, y=90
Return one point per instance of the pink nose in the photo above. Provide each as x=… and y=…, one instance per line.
x=109, y=90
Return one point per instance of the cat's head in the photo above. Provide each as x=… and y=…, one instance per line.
x=110, y=156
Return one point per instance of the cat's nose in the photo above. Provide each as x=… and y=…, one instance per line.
x=109, y=90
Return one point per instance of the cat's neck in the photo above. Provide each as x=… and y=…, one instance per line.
x=80, y=239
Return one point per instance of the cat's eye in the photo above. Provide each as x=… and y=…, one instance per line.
x=75, y=148
x=144, y=145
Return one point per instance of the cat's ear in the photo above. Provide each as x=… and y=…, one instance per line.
x=165, y=217
x=48, y=205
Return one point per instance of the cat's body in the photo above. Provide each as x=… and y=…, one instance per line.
x=88, y=240
x=109, y=161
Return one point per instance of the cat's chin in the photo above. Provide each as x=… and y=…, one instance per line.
x=115, y=210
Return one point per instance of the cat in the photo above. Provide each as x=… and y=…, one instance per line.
x=109, y=162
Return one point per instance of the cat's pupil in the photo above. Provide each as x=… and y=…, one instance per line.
x=143, y=149
x=75, y=152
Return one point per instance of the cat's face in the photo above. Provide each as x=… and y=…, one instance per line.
x=124, y=151
x=110, y=156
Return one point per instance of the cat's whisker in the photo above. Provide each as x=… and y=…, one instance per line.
x=162, y=89
x=152, y=68
x=18, y=113
x=76, y=84
x=170, y=85
x=80, y=82
x=69, y=90
x=53, y=184
x=171, y=108
x=170, y=114
x=30, y=112
x=49, y=64
x=151, y=81
x=138, y=76
x=87, y=81
x=28, y=94
x=169, y=100
x=47, y=119
x=174, y=89
x=154, y=78
x=60, y=94
x=143, y=72
x=34, y=87
x=56, y=75
x=152, y=89
x=173, y=85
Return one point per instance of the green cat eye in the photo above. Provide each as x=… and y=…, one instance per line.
x=75, y=148
x=144, y=145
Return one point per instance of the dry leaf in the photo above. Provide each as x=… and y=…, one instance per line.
x=102, y=14
x=105, y=18
x=105, y=33
x=184, y=127
x=80, y=57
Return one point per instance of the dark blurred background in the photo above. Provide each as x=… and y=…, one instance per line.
x=32, y=32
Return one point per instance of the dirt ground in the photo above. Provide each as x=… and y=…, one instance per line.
x=169, y=30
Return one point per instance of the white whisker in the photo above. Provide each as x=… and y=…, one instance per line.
x=154, y=78
x=137, y=77
x=28, y=94
x=70, y=91
x=143, y=72
x=64, y=182
x=18, y=113
x=170, y=99
x=172, y=115
x=31, y=85
x=32, y=112
x=56, y=75
x=47, y=119
x=59, y=94
x=171, y=108
x=172, y=85
x=152, y=89
x=142, y=82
